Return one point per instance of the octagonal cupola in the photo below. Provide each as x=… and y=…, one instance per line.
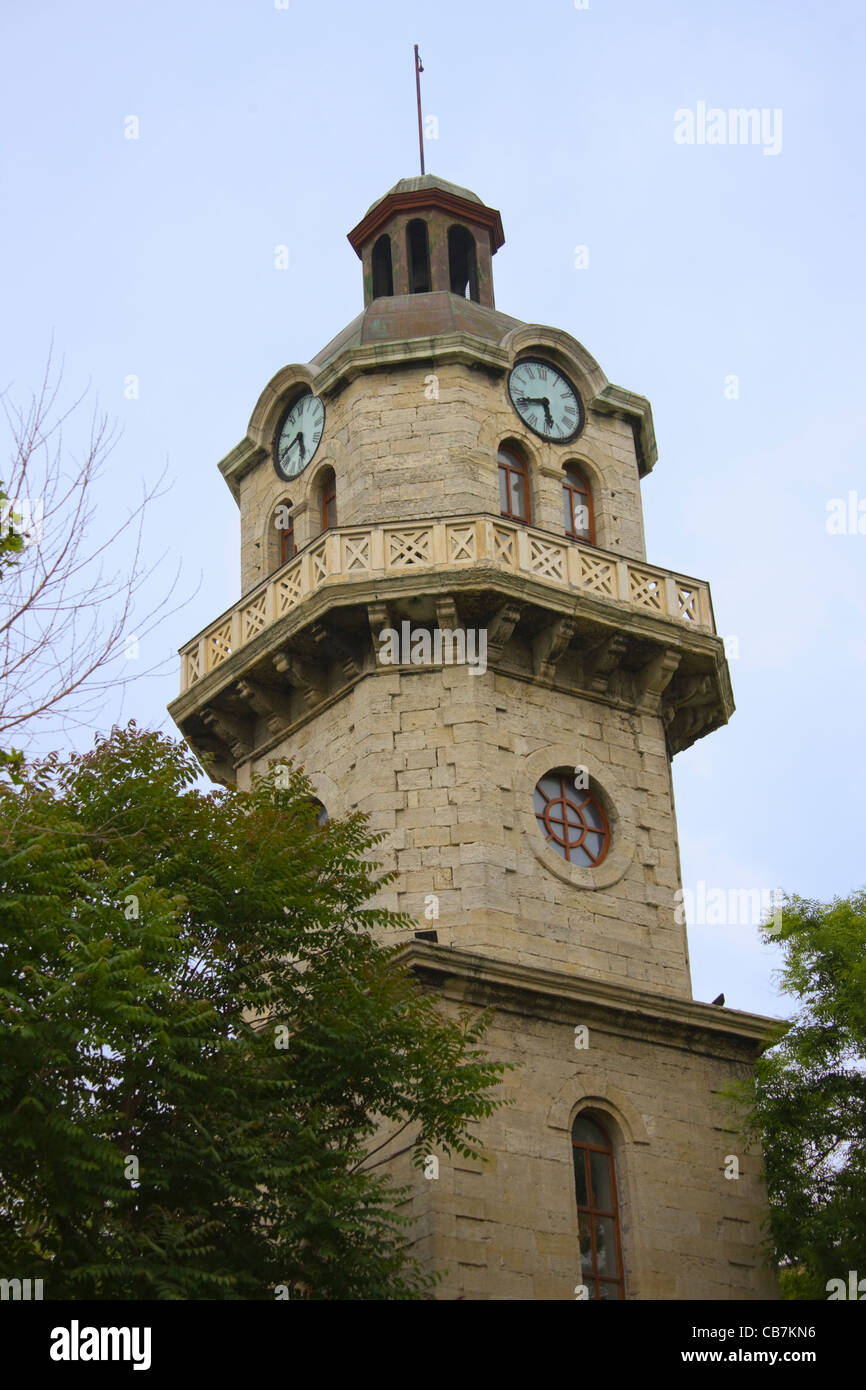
x=426, y=236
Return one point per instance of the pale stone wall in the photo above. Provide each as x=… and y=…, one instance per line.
x=398, y=456
x=508, y=1228
x=445, y=764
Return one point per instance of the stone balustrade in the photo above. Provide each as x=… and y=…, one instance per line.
x=362, y=553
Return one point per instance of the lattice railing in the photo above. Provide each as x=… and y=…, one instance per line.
x=353, y=553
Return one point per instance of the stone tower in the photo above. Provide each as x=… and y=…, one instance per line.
x=441, y=467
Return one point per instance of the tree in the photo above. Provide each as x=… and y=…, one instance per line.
x=201, y=1039
x=64, y=623
x=808, y=1103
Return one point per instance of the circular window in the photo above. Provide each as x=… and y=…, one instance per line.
x=571, y=819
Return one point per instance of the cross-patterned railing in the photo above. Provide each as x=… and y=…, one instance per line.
x=364, y=552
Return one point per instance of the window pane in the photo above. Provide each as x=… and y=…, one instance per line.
x=608, y=1291
x=503, y=491
x=566, y=508
x=602, y=1191
x=580, y=1186
x=585, y=1132
x=605, y=1245
x=585, y=1249
x=518, y=507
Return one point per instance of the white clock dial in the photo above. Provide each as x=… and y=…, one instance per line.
x=299, y=436
x=545, y=400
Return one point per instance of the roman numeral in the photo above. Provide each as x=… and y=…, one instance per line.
x=529, y=373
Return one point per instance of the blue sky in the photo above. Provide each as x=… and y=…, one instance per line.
x=261, y=126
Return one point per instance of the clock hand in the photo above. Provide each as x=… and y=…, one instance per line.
x=539, y=400
x=299, y=440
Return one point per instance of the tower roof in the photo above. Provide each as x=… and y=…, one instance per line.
x=427, y=191
x=422, y=182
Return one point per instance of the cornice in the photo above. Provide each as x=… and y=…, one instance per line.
x=470, y=977
x=426, y=199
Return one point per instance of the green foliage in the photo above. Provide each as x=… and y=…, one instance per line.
x=157, y=943
x=11, y=539
x=808, y=1103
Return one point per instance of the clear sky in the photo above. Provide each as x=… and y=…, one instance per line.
x=261, y=126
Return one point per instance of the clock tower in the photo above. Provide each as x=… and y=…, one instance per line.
x=448, y=618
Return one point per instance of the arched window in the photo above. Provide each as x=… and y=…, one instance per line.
x=597, y=1210
x=462, y=262
x=513, y=483
x=328, y=499
x=281, y=543
x=418, y=249
x=577, y=505
x=383, y=273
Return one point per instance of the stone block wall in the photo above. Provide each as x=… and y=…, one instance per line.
x=507, y=1228
x=398, y=454
x=445, y=763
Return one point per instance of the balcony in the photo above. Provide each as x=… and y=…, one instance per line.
x=364, y=553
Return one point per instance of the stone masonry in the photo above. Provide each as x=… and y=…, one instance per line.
x=595, y=659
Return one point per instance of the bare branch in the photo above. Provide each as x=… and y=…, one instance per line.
x=65, y=621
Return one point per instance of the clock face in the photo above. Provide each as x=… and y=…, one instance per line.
x=299, y=435
x=545, y=400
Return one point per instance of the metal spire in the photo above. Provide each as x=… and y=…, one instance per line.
x=419, y=68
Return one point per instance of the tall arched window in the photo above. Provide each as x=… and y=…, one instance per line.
x=328, y=499
x=597, y=1210
x=462, y=262
x=513, y=483
x=418, y=251
x=383, y=272
x=577, y=505
x=284, y=525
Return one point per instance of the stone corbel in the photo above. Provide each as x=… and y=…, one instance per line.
x=329, y=643
x=685, y=726
x=691, y=690
x=500, y=628
x=267, y=704
x=602, y=661
x=447, y=617
x=303, y=675
x=233, y=733
x=379, y=617
x=654, y=678
x=549, y=646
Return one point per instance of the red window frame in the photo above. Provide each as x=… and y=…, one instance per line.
x=577, y=493
x=589, y=1213
x=329, y=500
x=563, y=814
x=287, y=542
x=512, y=464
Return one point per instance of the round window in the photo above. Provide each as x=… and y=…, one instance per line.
x=571, y=819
